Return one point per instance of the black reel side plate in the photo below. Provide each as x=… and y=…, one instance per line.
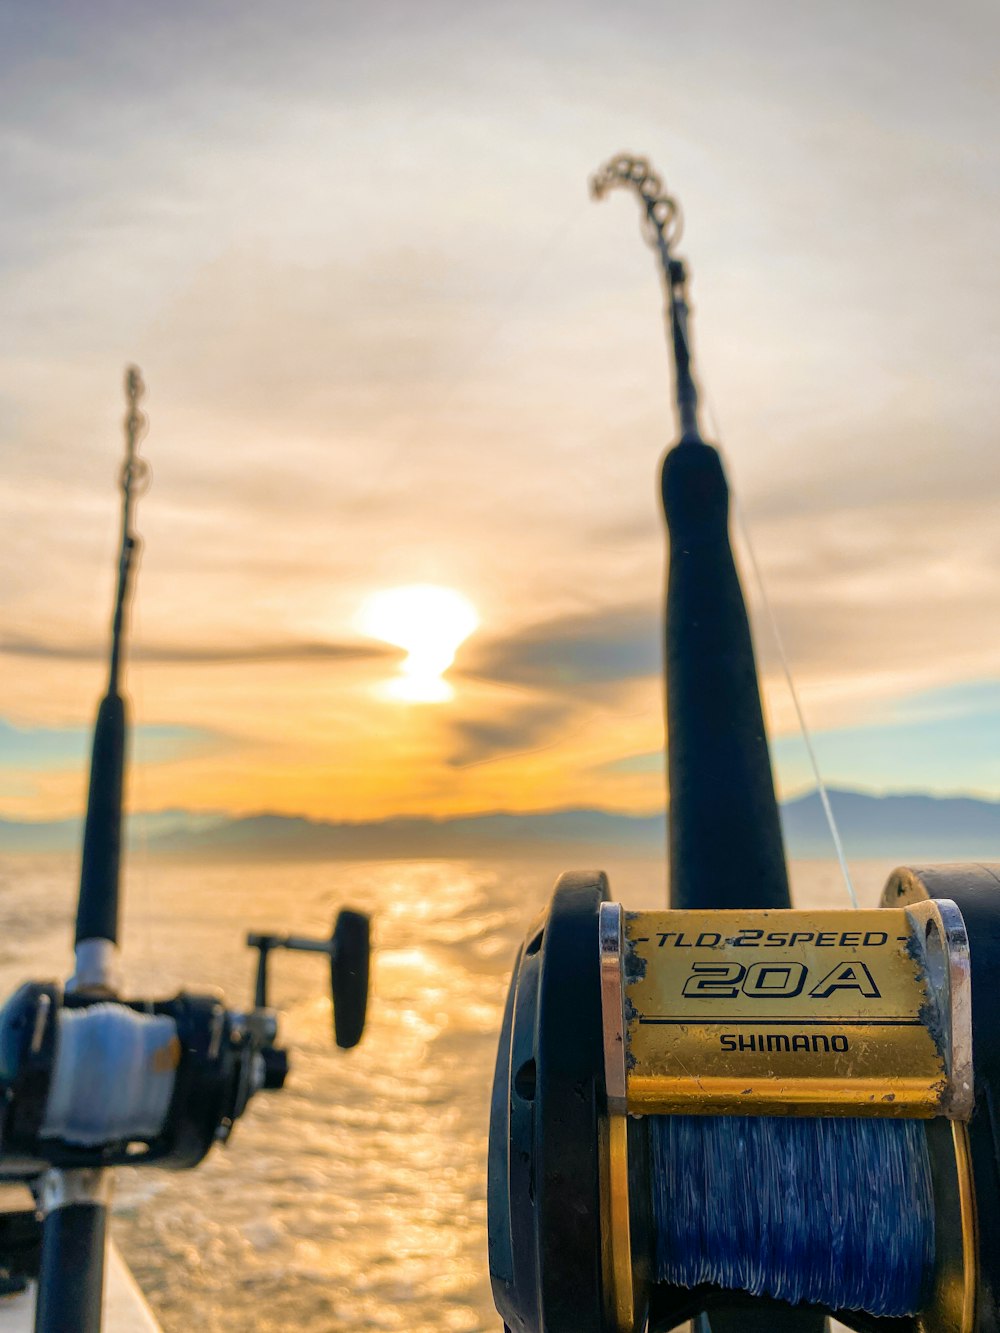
x=548, y=1099
x=975, y=889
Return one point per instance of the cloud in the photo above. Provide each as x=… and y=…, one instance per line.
x=575, y=653
x=19, y=646
x=387, y=339
x=522, y=728
x=575, y=666
x=649, y=761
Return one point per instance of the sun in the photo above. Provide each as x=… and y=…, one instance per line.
x=429, y=622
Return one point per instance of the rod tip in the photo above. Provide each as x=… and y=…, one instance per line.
x=134, y=385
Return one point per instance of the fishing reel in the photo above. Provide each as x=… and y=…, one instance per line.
x=760, y=1117
x=89, y=1081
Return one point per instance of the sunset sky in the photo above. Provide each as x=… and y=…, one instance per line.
x=389, y=341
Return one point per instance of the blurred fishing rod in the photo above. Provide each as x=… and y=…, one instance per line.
x=90, y=1080
x=98, y=910
x=74, y=1201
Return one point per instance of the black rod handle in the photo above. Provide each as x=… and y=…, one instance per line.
x=71, y=1275
x=100, y=869
x=726, y=848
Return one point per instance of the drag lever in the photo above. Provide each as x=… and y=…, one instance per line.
x=349, y=951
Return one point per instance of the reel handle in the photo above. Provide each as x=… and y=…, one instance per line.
x=349, y=952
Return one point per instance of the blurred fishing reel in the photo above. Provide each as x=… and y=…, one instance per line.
x=760, y=1117
x=88, y=1081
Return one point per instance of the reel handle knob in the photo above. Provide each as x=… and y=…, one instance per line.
x=349, y=952
x=350, y=963
x=275, y=1068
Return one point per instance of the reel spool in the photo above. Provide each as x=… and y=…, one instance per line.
x=771, y=1116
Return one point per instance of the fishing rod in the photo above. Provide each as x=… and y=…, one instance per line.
x=731, y=1111
x=90, y=1080
x=722, y=804
x=97, y=913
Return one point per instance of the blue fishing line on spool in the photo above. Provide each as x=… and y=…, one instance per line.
x=833, y=1212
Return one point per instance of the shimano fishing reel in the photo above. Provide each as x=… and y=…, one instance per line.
x=700, y=1111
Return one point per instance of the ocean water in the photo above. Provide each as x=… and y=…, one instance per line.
x=354, y=1198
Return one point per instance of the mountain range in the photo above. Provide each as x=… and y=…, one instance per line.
x=908, y=826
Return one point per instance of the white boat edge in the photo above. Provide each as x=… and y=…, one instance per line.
x=125, y=1308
